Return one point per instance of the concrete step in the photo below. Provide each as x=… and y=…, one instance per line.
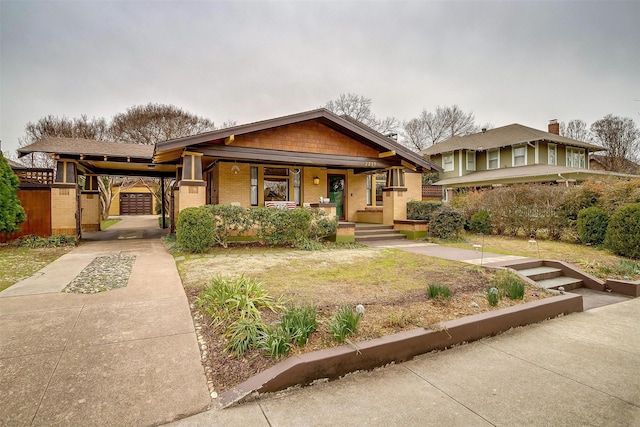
x=380, y=236
x=541, y=273
x=373, y=227
x=568, y=283
x=372, y=232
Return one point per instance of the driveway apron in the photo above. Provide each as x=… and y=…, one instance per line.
x=126, y=356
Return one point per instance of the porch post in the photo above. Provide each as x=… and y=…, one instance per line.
x=65, y=203
x=394, y=205
x=192, y=188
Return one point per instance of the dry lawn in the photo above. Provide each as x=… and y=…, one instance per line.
x=391, y=284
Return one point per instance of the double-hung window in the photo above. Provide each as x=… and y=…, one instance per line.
x=471, y=160
x=493, y=159
x=552, y=154
x=519, y=155
x=447, y=162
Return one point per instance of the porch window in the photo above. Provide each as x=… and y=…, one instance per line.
x=493, y=159
x=447, y=162
x=276, y=189
x=296, y=186
x=369, y=189
x=552, y=155
x=381, y=182
x=575, y=157
x=471, y=160
x=254, y=186
x=519, y=155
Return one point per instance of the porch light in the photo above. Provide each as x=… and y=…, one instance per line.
x=316, y=180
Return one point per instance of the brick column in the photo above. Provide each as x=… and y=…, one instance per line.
x=394, y=201
x=64, y=201
x=192, y=188
x=90, y=204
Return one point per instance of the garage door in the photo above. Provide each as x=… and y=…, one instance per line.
x=135, y=204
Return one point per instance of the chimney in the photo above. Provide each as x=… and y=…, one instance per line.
x=554, y=126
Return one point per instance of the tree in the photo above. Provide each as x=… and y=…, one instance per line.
x=576, y=129
x=358, y=107
x=621, y=138
x=62, y=127
x=151, y=123
x=11, y=211
x=430, y=128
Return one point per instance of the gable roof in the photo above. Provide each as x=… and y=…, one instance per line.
x=88, y=147
x=607, y=163
x=504, y=136
x=16, y=165
x=171, y=150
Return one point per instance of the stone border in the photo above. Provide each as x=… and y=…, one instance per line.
x=332, y=363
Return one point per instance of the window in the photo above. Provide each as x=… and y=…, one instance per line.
x=519, y=155
x=369, y=189
x=447, y=162
x=254, y=186
x=381, y=182
x=471, y=160
x=493, y=159
x=552, y=155
x=575, y=157
x=296, y=186
x=276, y=189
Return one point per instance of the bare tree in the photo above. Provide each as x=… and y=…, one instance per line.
x=229, y=124
x=431, y=128
x=621, y=138
x=151, y=123
x=359, y=107
x=576, y=129
x=62, y=127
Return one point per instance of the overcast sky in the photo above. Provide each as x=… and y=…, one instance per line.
x=505, y=61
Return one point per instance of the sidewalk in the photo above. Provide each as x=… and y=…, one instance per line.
x=576, y=370
x=127, y=356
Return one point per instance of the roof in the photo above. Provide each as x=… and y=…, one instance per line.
x=172, y=149
x=102, y=157
x=524, y=174
x=16, y=165
x=608, y=163
x=88, y=147
x=503, y=137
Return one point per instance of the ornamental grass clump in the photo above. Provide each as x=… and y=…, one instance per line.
x=299, y=323
x=508, y=284
x=437, y=291
x=344, y=323
x=493, y=296
x=275, y=341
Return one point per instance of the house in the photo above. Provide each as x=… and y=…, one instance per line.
x=606, y=163
x=512, y=154
x=314, y=158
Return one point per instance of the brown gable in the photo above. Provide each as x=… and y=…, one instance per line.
x=306, y=137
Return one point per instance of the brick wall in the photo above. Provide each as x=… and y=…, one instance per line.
x=235, y=187
x=190, y=196
x=356, y=195
x=63, y=211
x=90, y=205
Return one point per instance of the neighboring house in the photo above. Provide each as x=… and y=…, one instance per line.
x=134, y=198
x=512, y=154
x=606, y=163
x=291, y=161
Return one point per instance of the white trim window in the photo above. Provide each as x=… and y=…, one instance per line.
x=575, y=158
x=471, y=160
x=447, y=162
x=552, y=154
x=519, y=155
x=493, y=159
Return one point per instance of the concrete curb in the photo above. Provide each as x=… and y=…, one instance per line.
x=335, y=362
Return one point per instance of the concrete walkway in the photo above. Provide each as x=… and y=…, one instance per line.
x=127, y=356
x=576, y=370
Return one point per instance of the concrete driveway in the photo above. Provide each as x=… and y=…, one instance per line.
x=126, y=356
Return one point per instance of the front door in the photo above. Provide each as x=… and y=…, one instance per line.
x=337, y=193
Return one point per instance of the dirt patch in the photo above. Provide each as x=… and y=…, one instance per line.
x=392, y=286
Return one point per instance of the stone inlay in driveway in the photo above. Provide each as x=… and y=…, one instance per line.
x=102, y=274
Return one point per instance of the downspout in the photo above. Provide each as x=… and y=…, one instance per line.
x=566, y=181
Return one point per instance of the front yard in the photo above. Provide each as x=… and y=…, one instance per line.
x=390, y=284
x=17, y=263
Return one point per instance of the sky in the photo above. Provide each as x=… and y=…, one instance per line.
x=505, y=61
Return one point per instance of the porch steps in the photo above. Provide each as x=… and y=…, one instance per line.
x=548, y=277
x=372, y=232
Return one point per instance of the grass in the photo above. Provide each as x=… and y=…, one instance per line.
x=17, y=263
x=108, y=223
x=594, y=260
x=437, y=291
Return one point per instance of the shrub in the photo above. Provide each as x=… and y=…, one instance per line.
x=436, y=291
x=422, y=210
x=592, y=225
x=12, y=213
x=228, y=219
x=344, y=323
x=321, y=225
x=480, y=222
x=446, y=223
x=623, y=232
x=195, y=229
x=33, y=241
x=244, y=334
x=299, y=323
